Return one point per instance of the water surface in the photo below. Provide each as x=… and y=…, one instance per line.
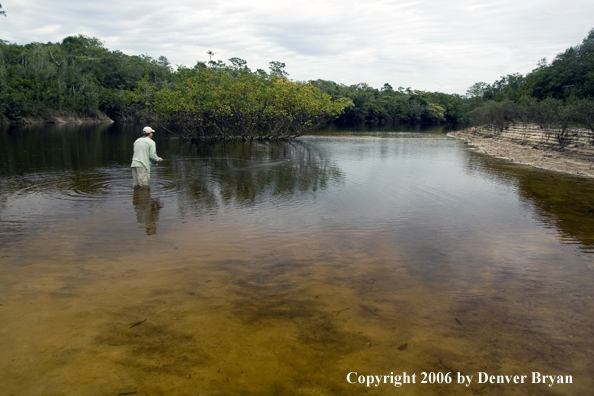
x=272, y=269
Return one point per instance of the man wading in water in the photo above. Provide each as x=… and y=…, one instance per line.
x=145, y=150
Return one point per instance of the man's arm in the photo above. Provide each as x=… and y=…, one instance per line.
x=153, y=152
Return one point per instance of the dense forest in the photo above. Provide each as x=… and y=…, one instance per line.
x=79, y=76
x=558, y=96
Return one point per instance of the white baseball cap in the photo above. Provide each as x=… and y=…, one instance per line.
x=147, y=130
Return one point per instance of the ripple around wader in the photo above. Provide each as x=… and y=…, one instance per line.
x=81, y=186
x=65, y=185
x=33, y=199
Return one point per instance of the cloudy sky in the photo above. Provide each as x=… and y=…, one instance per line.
x=435, y=45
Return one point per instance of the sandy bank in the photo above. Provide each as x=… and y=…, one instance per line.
x=546, y=156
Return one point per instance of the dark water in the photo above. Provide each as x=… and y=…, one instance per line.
x=273, y=269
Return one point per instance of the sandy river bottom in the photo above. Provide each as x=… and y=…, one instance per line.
x=207, y=311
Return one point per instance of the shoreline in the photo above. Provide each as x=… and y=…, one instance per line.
x=531, y=153
x=65, y=118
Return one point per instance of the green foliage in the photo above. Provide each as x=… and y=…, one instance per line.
x=384, y=106
x=80, y=76
x=582, y=112
x=555, y=116
x=495, y=115
x=77, y=76
x=571, y=74
x=556, y=96
x=278, y=69
x=223, y=101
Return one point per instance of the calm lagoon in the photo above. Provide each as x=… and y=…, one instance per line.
x=279, y=268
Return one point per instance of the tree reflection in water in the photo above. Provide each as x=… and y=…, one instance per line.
x=568, y=207
x=215, y=175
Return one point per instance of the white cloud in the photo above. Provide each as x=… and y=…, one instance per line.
x=426, y=44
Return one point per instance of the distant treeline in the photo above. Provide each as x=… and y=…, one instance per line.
x=79, y=76
x=558, y=96
x=388, y=105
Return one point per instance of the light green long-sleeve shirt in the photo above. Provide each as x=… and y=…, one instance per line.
x=145, y=150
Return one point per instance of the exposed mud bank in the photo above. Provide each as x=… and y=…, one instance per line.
x=575, y=159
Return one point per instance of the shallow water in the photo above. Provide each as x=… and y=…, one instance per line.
x=273, y=269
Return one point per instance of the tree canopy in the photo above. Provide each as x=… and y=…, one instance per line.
x=80, y=76
x=224, y=101
x=386, y=105
x=556, y=96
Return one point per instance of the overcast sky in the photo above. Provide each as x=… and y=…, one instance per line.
x=434, y=45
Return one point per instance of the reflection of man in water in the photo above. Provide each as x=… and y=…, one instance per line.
x=147, y=209
x=145, y=151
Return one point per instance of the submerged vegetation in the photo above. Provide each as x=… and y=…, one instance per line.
x=80, y=77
